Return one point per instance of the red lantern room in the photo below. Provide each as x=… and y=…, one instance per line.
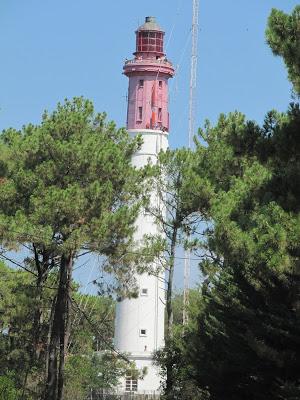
x=150, y=38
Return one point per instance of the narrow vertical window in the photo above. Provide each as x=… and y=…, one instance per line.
x=140, y=114
x=141, y=83
x=160, y=84
x=159, y=115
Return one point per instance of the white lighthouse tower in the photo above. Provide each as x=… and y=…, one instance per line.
x=139, y=325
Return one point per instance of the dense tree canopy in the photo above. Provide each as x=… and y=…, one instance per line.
x=67, y=184
x=243, y=340
x=283, y=36
x=251, y=317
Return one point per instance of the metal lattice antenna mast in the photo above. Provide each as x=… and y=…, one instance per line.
x=192, y=109
x=193, y=73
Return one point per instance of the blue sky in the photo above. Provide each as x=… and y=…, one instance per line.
x=53, y=49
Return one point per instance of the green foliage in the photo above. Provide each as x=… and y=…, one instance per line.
x=181, y=188
x=244, y=339
x=8, y=389
x=247, y=334
x=283, y=36
x=91, y=364
x=177, y=214
x=16, y=310
x=63, y=177
x=94, y=371
x=66, y=185
x=85, y=369
x=183, y=199
x=183, y=384
x=101, y=311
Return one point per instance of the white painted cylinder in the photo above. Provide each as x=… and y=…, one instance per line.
x=139, y=324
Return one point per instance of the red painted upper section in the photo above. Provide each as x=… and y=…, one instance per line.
x=149, y=41
x=148, y=75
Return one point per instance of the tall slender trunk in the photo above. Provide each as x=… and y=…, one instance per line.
x=37, y=307
x=59, y=332
x=42, y=267
x=169, y=307
x=51, y=319
x=37, y=324
x=65, y=332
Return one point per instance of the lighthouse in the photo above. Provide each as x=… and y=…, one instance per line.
x=139, y=324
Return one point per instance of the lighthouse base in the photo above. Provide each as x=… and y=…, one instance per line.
x=146, y=381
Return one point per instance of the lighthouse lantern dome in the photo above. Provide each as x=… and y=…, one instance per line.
x=150, y=37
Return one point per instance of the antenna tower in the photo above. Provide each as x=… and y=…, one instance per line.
x=192, y=109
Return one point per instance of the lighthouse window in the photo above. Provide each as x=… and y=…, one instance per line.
x=160, y=84
x=144, y=292
x=143, y=332
x=131, y=383
x=159, y=114
x=140, y=114
x=141, y=83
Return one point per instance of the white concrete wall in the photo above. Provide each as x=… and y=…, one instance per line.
x=144, y=312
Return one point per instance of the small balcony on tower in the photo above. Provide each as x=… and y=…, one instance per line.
x=161, y=65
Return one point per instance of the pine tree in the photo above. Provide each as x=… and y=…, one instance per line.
x=248, y=333
x=246, y=343
x=178, y=188
x=283, y=36
x=67, y=184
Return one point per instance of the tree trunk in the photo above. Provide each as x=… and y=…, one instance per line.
x=51, y=319
x=169, y=307
x=37, y=323
x=59, y=332
x=42, y=268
